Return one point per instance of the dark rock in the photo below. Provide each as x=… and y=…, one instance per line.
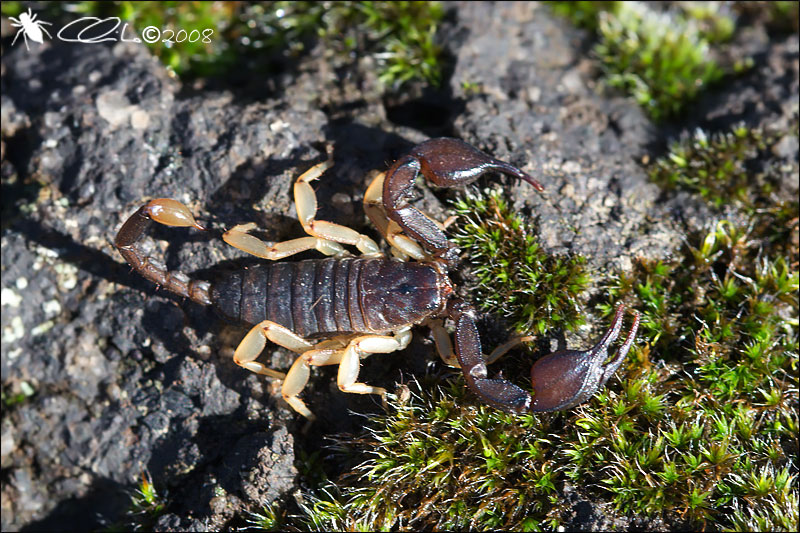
x=127, y=379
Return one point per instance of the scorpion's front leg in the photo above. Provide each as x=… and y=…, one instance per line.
x=326, y=237
x=446, y=163
x=560, y=380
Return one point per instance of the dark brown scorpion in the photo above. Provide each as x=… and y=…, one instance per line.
x=338, y=310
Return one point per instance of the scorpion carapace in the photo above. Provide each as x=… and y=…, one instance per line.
x=339, y=310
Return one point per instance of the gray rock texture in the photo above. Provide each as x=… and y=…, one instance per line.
x=122, y=378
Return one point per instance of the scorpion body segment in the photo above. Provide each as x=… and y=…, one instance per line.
x=339, y=310
x=319, y=298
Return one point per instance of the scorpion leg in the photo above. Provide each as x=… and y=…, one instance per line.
x=560, y=380
x=445, y=163
x=324, y=353
x=305, y=201
x=347, y=357
x=256, y=339
x=361, y=347
x=444, y=346
x=324, y=236
x=238, y=237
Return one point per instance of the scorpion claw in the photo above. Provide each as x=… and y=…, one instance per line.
x=445, y=163
x=566, y=378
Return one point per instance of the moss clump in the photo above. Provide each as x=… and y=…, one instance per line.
x=146, y=506
x=779, y=17
x=723, y=168
x=399, y=35
x=537, y=291
x=662, y=59
x=438, y=463
x=720, y=449
x=737, y=170
x=584, y=14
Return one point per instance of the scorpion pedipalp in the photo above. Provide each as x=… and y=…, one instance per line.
x=444, y=162
x=566, y=378
x=560, y=380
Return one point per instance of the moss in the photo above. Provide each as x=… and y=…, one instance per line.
x=778, y=17
x=736, y=170
x=725, y=317
x=399, y=35
x=146, y=506
x=269, y=518
x=584, y=14
x=11, y=397
x=516, y=278
x=663, y=59
x=722, y=167
x=439, y=463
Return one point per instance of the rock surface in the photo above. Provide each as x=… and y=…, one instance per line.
x=126, y=379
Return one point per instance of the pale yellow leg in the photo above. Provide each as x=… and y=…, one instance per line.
x=238, y=237
x=361, y=347
x=347, y=355
x=325, y=353
x=498, y=352
x=253, y=344
x=305, y=201
x=444, y=346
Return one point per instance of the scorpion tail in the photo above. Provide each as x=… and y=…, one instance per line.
x=170, y=213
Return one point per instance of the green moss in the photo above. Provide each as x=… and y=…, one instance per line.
x=725, y=315
x=661, y=58
x=146, y=506
x=268, y=518
x=11, y=398
x=399, y=35
x=438, y=463
x=583, y=14
x=537, y=291
x=205, y=23
x=779, y=17
x=722, y=168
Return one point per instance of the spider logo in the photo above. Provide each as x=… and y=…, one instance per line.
x=29, y=27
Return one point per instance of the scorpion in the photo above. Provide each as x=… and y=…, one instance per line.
x=341, y=309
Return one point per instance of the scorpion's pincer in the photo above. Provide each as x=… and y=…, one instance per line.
x=567, y=378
